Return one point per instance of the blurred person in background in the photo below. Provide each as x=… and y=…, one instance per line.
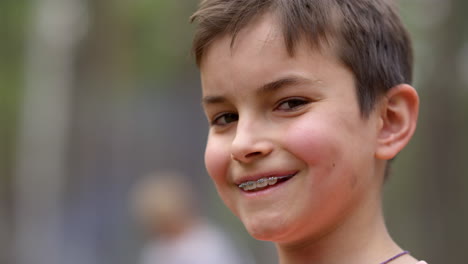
x=165, y=207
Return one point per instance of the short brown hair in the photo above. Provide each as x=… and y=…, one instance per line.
x=371, y=39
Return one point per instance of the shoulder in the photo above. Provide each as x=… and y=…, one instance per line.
x=422, y=262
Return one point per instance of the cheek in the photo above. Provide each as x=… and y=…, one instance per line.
x=333, y=149
x=216, y=160
x=314, y=143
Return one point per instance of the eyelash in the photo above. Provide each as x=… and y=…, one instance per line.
x=218, y=117
x=299, y=102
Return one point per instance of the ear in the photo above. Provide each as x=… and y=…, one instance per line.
x=398, y=118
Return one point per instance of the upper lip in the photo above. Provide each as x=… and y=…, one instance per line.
x=257, y=176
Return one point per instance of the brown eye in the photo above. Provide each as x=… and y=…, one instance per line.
x=291, y=104
x=224, y=119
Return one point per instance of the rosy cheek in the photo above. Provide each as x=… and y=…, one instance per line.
x=304, y=141
x=313, y=143
x=216, y=160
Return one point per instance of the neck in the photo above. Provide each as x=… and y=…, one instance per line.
x=362, y=239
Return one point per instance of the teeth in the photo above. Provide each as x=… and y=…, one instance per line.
x=251, y=185
x=260, y=183
x=272, y=180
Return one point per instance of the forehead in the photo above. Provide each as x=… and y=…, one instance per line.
x=257, y=54
x=259, y=36
x=268, y=29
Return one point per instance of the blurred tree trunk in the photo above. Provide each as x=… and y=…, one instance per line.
x=44, y=119
x=100, y=137
x=444, y=122
x=10, y=53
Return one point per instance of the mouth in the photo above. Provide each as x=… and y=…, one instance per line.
x=264, y=183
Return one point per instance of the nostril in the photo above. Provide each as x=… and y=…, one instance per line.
x=252, y=154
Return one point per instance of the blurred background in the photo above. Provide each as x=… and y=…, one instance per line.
x=96, y=94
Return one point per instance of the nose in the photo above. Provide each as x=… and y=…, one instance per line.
x=250, y=142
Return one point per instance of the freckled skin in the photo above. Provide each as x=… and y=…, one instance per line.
x=326, y=141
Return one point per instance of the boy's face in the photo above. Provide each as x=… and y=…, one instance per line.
x=293, y=120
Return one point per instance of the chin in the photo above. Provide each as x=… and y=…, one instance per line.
x=266, y=229
x=265, y=233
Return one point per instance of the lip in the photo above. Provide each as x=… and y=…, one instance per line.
x=264, y=193
x=255, y=177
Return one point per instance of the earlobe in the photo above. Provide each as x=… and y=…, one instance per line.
x=398, y=118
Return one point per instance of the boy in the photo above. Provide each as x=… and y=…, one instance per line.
x=307, y=100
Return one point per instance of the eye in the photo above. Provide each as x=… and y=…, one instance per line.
x=291, y=104
x=224, y=119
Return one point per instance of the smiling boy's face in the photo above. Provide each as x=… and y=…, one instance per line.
x=290, y=129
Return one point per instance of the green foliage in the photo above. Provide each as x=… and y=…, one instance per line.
x=160, y=34
x=14, y=15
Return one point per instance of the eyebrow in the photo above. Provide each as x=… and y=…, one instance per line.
x=270, y=87
x=282, y=83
